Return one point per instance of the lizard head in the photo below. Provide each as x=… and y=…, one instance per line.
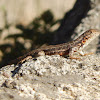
x=84, y=39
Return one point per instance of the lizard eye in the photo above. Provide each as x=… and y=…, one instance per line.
x=86, y=38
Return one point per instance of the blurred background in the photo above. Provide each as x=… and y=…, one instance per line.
x=29, y=24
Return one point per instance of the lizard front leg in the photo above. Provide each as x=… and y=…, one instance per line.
x=80, y=52
x=72, y=52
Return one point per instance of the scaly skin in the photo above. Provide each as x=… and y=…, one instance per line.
x=62, y=49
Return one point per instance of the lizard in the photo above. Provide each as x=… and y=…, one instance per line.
x=69, y=48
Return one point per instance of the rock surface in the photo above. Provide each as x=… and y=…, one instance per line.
x=52, y=78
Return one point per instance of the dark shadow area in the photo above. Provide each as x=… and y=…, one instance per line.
x=71, y=20
x=39, y=31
